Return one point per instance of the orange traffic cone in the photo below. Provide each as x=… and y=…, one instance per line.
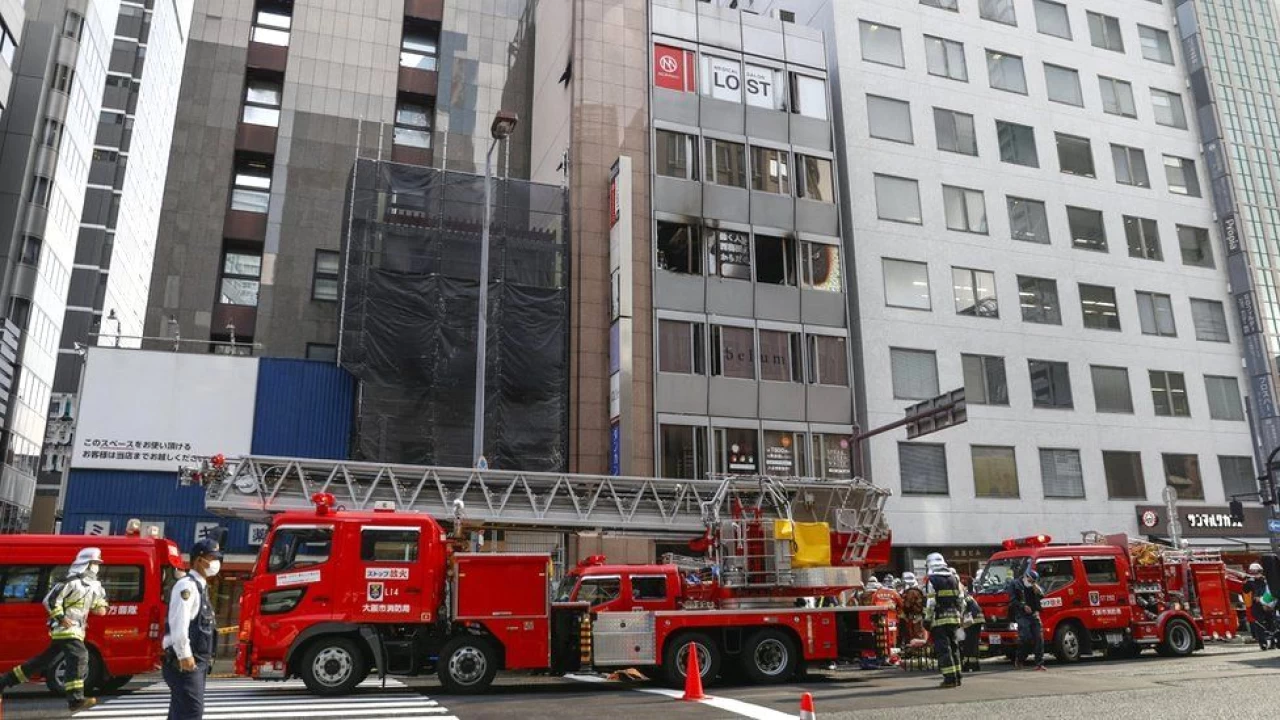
x=693, y=676
x=806, y=707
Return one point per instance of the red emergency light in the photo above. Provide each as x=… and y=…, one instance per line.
x=1032, y=541
x=324, y=502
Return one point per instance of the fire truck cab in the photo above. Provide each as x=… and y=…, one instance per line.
x=1109, y=596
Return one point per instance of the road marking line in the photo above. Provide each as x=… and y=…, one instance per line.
x=737, y=707
x=425, y=707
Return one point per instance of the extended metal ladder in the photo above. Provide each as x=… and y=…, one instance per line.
x=256, y=487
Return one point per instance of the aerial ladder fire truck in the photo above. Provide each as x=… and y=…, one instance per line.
x=359, y=575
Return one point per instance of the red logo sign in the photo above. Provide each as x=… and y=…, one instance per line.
x=673, y=68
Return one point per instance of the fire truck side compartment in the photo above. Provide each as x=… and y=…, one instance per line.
x=510, y=597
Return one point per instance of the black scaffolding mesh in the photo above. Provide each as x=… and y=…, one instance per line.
x=409, y=317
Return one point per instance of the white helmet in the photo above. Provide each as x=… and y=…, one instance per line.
x=873, y=583
x=909, y=578
x=87, y=557
x=1255, y=568
x=935, y=562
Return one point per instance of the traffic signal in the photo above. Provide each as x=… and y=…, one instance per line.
x=1237, y=511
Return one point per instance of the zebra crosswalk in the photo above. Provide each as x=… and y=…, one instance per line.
x=241, y=699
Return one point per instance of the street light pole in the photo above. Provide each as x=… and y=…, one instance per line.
x=503, y=124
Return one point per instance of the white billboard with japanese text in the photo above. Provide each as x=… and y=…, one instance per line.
x=144, y=410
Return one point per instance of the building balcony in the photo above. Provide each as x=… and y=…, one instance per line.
x=267, y=57
x=417, y=82
x=242, y=225
x=430, y=10
x=259, y=139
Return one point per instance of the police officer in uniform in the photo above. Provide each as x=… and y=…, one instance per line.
x=189, y=634
x=943, y=612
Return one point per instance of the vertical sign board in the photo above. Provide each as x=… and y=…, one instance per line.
x=673, y=68
x=620, y=315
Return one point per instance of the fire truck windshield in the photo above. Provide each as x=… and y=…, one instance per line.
x=294, y=547
x=998, y=573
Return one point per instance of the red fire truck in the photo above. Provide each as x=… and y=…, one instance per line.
x=337, y=594
x=1110, y=595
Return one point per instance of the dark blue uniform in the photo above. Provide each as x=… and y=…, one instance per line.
x=944, y=616
x=186, y=699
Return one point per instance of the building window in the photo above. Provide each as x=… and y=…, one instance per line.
x=1000, y=11
x=261, y=102
x=1210, y=320
x=1117, y=97
x=252, y=189
x=889, y=119
x=787, y=16
x=684, y=452
x=1088, y=231
x=1061, y=474
x=51, y=137
x=1075, y=156
x=726, y=163
x=413, y=125
x=679, y=248
x=676, y=155
x=1098, y=305
x=1155, y=314
x=945, y=58
x=952, y=5
x=775, y=260
x=1111, y=389
x=64, y=77
x=995, y=472
x=955, y=132
x=923, y=469
x=1063, y=85
x=271, y=27
x=324, y=281
x=1169, y=394
x=73, y=25
x=1181, y=175
x=984, y=380
x=1131, y=166
x=41, y=186
x=828, y=360
x=881, y=43
x=975, y=292
x=1224, y=397
x=31, y=246
x=784, y=454
x=781, y=359
x=1051, y=19
x=320, y=351
x=731, y=252
x=809, y=96
x=770, y=170
x=723, y=78
x=898, y=199
x=817, y=181
x=9, y=46
x=1168, y=109
x=1238, y=479
x=966, y=209
x=736, y=451
x=1195, y=246
x=915, y=373
x=1017, y=144
x=681, y=347
x=1028, y=220
x=733, y=352
x=1182, y=473
x=418, y=49
x=1155, y=44
x=1005, y=72
x=1039, y=300
x=831, y=457
x=906, y=284
x=1143, y=237
x=1124, y=475
x=1050, y=384
x=240, y=275
x=1104, y=32
x=820, y=267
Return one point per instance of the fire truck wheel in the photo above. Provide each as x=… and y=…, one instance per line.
x=1067, y=643
x=468, y=664
x=770, y=656
x=1179, y=639
x=675, y=658
x=333, y=666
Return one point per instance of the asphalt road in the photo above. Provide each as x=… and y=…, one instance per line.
x=1224, y=681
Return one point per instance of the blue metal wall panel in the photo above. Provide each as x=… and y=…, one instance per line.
x=118, y=495
x=304, y=409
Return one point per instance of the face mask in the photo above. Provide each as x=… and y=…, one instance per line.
x=93, y=570
x=212, y=568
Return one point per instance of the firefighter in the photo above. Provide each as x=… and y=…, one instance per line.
x=69, y=604
x=972, y=622
x=1026, y=598
x=942, y=615
x=1263, y=619
x=189, y=633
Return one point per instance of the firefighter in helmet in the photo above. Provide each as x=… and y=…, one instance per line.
x=942, y=614
x=1262, y=618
